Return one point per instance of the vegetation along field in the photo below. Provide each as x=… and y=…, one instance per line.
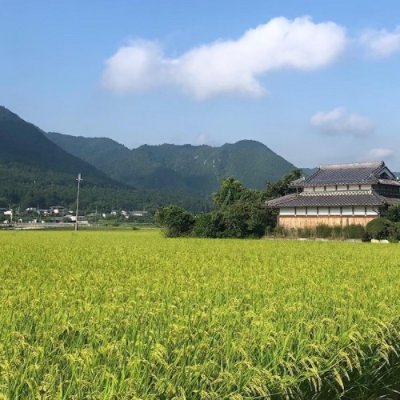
x=129, y=315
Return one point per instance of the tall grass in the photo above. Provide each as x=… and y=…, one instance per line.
x=125, y=315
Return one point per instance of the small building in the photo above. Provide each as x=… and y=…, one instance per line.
x=338, y=195
x=57, y=210
x=139, y=213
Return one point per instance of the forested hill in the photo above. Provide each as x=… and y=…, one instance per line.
x=197, y=169
x=26, y=144
x=34, y=171
x=37, y=171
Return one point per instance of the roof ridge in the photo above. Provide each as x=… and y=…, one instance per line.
x=337, y=193
x=377, y=164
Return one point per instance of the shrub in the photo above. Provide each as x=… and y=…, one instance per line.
x=378, y=228
x=305, y=232
x=353, y=232
x=175, y=220
x=337, y=232
x=393, y=213
x=269, y=230
x=323, y=231
x=205, y=226
x=394, y=233
x=366, y=237
x=279, y=231
x=292, y=233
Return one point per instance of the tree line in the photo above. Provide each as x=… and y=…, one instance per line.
x=238, y=212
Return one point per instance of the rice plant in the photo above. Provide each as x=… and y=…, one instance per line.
x=133, y=315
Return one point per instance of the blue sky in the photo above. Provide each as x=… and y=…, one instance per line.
x=316, y=81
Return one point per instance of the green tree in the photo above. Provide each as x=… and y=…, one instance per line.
x=379, y=228
x=282, y=187
x=393, y=213
x=208, y=225
x=230, y=191
x=175, y=220
x=240, y=212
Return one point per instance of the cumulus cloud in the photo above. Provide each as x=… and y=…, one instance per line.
x=227, y=66
x=379, y=154
x=340, y=122
x=381, y=43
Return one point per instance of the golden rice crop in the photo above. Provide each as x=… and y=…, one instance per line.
x=133, y=315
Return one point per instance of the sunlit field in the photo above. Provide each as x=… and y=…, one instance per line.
x=133, y=315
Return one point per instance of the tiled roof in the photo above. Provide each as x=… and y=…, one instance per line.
x=393, y=201
x=329, y=200
x=336, y=174
x=389, y=182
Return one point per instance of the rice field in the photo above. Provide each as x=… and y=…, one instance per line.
x=133, y=315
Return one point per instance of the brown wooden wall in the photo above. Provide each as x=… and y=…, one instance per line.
x=307, y=221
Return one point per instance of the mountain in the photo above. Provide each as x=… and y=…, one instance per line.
x=96, y=151
x=40, y=169
x=34, y=171
x=195, y=169
x=24, y=143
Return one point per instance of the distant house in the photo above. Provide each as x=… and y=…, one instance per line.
x=138, y=213
x=128, y=214
x=339, y=195
x=57, y=210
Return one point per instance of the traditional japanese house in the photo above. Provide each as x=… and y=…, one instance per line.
x=340, y=194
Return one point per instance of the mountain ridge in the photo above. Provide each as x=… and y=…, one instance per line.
x=194, y=168
x=24, y=143
x=40, y=169
x=35, y=172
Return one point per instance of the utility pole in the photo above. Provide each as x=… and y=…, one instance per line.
x=11, y=215
x=77, y=202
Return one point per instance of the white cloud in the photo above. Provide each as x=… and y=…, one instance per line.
x=227, y=66
x=139, y=66
x=380, y=154
x=340, y=122
x=381, y=43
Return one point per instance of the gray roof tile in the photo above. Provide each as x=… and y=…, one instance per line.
x=328, y=200
x=336, y=174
